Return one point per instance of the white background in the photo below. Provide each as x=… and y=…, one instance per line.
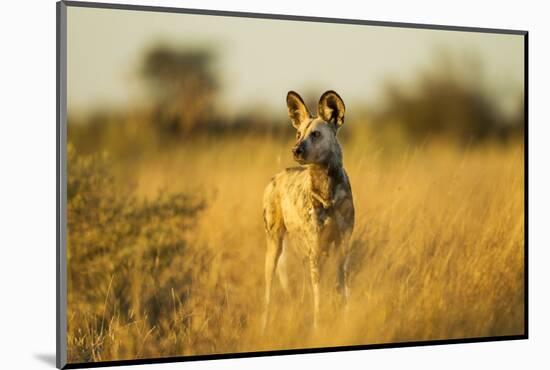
x=27, y=183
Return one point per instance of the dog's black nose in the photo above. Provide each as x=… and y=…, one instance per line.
x=298, y=150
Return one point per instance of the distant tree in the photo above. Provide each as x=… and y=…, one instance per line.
x=444, y=101
x=183, y=86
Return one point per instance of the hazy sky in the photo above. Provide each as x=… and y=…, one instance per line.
x=260, y=59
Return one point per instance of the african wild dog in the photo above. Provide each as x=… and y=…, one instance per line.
x=312, y=203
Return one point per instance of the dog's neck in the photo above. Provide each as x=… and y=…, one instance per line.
x=325, y=178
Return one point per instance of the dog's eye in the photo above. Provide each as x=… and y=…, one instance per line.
x=297, y=135
x=315, y=134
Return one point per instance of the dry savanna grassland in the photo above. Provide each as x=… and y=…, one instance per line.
x=166, y=251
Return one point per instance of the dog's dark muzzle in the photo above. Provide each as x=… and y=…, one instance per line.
x=299, y=151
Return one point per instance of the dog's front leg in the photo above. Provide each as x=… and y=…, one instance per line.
x=314, y=269
x=343, y=278
x=343, y=275
x=343, y=268
x=317, y=257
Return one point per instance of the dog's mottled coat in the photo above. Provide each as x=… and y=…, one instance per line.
x=312, y=202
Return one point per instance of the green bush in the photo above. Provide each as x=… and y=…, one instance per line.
x=128, y=259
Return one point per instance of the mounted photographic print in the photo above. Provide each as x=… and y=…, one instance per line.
x=238, y=184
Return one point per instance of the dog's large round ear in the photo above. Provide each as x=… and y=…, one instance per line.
x=331, y=108
x=297, y=109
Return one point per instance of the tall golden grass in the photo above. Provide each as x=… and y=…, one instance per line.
x=173, y=265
